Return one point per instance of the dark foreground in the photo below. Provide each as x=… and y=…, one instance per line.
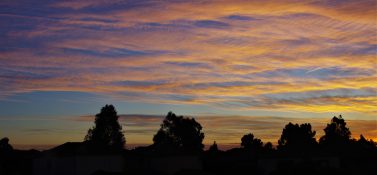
x=76, y=159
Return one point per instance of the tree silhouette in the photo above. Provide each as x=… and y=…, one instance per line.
x=213, y=147
x=107, y=131
x=5, y=147
x=364, y=143
x=268, y=146
x=336, y=132
x=250, y=143
x=297, y=137
x=179, y=132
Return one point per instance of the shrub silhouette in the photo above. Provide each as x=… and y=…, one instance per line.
x=107, y=132
x=248, y=142
x=268, y=146
x=297, y=137
x=180, y=133
x=5, y=147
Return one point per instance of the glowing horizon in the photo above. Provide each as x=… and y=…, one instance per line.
x=225, y=130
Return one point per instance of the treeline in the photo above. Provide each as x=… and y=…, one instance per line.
x=178, y=133
x=184, y=134
x=298, y=151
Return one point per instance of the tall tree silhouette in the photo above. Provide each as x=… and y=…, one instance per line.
x=336, y=132
x=179, y=132
x=107, y=131
x=250, y=143
x=297, y=137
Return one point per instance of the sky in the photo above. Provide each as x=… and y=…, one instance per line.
x=236, y=66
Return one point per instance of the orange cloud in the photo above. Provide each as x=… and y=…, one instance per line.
x=207, y=53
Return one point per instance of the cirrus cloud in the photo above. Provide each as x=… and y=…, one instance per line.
x=311, y=56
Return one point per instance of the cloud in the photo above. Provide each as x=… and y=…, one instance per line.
x=77, y=5
x=315, y=56
x=242, y=18
x=323, y=73
x=211, y=24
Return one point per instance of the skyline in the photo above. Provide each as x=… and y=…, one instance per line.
x=235, y=63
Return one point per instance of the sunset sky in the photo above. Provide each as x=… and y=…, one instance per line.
x=236, y=66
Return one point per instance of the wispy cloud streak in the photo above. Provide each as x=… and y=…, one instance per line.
x=312, y=56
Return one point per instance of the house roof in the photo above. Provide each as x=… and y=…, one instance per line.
x=68, y=148
x=78, y=148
